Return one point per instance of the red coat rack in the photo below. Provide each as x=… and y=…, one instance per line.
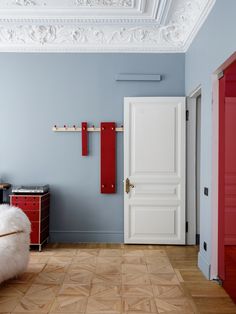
x=108, y=157
x=84, y=128
x=108, y=150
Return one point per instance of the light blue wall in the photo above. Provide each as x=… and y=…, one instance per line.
x=213, y=45
x=40, y=90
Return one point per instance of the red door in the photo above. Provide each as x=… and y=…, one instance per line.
x=227, y=180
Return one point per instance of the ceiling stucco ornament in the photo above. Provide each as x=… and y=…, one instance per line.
x=105, y=3
x=24, y=2
x=83, y=36
x=183, y=19
x=111, y=33
x=71, y=3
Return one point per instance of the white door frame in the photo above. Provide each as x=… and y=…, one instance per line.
x=191, y=162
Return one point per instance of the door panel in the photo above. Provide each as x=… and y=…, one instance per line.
x=154, y=155
x=155, y=191
x=155, y=218
x=148, y=128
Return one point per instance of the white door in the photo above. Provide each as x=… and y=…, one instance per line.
x=154, y=170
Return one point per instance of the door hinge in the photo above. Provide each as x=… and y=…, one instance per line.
x=187, y=115
x=186, y=226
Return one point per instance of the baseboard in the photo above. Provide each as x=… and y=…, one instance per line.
x=204, y=266
x=86, y=236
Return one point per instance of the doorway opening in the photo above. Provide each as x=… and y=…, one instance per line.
x=193, y=152
x=198, y=165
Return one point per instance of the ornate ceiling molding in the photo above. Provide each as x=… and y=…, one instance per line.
x=23, y=2
x=172, y=31
x=76, y=3
x=105, y=3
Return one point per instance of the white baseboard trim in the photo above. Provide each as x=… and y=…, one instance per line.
x=204, y=266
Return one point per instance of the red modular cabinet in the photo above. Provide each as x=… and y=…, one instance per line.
x=36, y=207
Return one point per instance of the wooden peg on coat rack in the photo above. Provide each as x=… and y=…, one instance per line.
x=74, y=128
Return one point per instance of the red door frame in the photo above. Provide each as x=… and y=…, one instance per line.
x=225, y=90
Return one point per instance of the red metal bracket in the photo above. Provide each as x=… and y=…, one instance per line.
x=108, y=157
x=84, y=132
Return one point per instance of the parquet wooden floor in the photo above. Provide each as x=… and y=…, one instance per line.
x=113, y=279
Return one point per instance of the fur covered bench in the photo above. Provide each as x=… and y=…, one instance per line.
x=14, y=242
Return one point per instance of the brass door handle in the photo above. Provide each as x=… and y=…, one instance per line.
x=128, y=185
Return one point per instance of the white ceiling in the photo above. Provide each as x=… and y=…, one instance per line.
x=101, y=25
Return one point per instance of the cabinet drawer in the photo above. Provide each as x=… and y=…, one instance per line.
x=34, y=236
x=36, y=207
x=33, y=215
x=26, y=205
x=24, y=199
x=39, y=231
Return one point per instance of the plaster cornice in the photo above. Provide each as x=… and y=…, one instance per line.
x=46, y=33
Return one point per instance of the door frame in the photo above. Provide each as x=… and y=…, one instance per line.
x=215, y=165
x=191, y=163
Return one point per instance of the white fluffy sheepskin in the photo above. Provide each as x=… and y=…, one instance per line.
x=14, y=249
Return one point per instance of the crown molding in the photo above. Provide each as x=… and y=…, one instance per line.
x=192, y=34
x=86, y=38
x=182, y=20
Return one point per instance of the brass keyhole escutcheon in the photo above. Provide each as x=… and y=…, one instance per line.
x=128, y=185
